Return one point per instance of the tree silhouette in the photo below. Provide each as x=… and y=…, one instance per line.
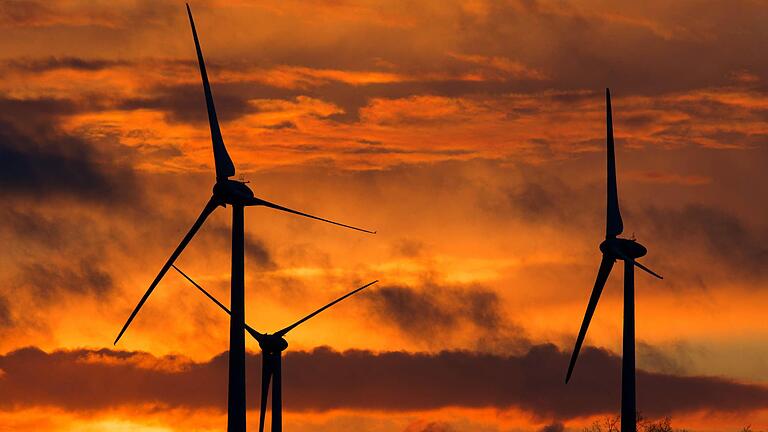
x=613, y=424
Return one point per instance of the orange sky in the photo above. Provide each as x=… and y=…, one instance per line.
x=470, y=134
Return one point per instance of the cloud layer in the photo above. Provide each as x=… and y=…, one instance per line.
x=324, y=379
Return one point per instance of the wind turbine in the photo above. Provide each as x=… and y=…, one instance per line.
x=238, y=195
x=272, y=346
x=628, y=250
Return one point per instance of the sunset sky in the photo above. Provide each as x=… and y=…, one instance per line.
x=469, y=134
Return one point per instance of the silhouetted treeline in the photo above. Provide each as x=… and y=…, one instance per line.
x=613, y=424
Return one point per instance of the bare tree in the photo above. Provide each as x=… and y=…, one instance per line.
x=613, y=424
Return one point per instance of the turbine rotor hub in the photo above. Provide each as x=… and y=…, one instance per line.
x=232, y=192
x=273, y=344
x=629, y=248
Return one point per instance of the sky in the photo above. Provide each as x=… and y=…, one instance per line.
x=469, y=134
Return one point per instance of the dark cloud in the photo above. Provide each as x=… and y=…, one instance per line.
x=52, y=236
x=532, y=382
x=671, y=361
x=40, y=14
x=432, y=313
x=655, y=50
x=186, y=103
x=255, y=248
x=159, y=152
x=33, y=226
x=37, y=160
x=6, y=319
x=546, y=200
x=513, y=45
x=57, y=165
x=553, y=427
x=48, y=281
x=534, y=195
x=282, y=125
x=33, y=114
x=717, y=231
x=422, y=426
x=351, y=98
x=409, y=248
x=380, y=150
x=368, y=141
x=20, y=12
x=681, y=232
x=419, y=314
x=53, y=63
x=57, y=255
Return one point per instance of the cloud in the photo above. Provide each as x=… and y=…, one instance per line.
x=657, y=359
x=186, y=103
x=36, y=65
x=682, y=230
x=281, y=125
x=35, y=113
x=255, y=248
x=717, y=231
x=39, y=160
x=547, y=199
x=33, y=13
x=6, y=319
x=408, y=248
x=49, y=281
x=21, y=12
x=434, y=313
x=422, y=426
x=553, y=427
x=532, y=382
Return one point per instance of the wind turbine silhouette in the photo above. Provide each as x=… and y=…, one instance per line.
x=627, y=250
x=238, y=195
x=272, y=346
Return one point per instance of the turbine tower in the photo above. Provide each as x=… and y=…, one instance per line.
x=272, y=347
x=628, y=250
x=238, y=195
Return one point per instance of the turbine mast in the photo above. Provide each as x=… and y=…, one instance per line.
x=236, y=390
x=628, y=397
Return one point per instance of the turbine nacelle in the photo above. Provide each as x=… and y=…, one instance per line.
x=619, y=248
x=272, y=343
x=233, y=192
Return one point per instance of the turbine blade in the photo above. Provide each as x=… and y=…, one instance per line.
x=261, y=202
x=224, y=166
x=602, y=276
x=636, y=264
x=266, y=375
x=613, y=224
x=642, y=267
x=277, y=393
x=207, y=210
x=207, y=294
x=282, y=332
x=256, y=335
